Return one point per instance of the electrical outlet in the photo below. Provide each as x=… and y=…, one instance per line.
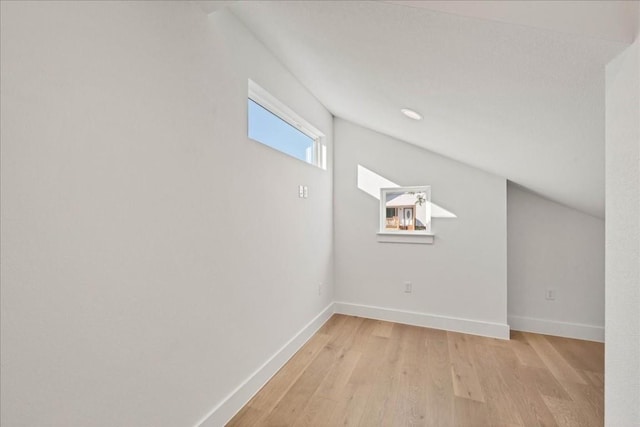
x=305, y=192
x=407, y=287
x=550, y=294
x=300, y=191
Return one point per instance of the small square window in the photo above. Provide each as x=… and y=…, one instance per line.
x=405, y=210
x=272, y=123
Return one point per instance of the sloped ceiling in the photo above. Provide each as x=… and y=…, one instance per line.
x=519, y=101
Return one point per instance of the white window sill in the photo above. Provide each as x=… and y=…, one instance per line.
x=412, y=238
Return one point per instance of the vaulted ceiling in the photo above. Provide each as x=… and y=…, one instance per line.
x=514, y=89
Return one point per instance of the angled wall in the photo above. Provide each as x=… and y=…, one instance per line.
x=459, y=282
x=554, y=247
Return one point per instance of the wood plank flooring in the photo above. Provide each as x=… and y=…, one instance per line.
x=363, y=372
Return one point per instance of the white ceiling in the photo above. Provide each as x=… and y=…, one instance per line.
x=520, y=95
x=608, y=20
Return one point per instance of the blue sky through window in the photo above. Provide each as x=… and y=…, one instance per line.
x=271, y=130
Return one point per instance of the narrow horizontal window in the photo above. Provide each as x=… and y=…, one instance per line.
x=273, y=124
x=271, y=130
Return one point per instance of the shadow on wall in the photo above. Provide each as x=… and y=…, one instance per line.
x=371, y=183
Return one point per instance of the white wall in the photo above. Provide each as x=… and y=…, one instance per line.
x=463, y=275
x=622, y=310
x=138, y=286
x=551, y=246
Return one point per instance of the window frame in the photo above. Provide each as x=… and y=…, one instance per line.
x=270, y=103
x=383, y=209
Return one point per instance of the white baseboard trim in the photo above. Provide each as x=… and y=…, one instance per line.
x=230, y=405
x=467, y=326
x=560, y=329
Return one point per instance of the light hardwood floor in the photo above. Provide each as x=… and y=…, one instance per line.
x=363, y=372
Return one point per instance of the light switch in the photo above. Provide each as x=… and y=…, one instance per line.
x=550, y=294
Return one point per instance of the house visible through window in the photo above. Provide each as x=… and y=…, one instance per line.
x=272, y=123
x=405, y=210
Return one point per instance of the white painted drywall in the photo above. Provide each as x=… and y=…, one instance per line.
x=551, y=246
x=595, y=19
x=622, y=309
x=139, y=285
x=462, y=275
x=468, y=77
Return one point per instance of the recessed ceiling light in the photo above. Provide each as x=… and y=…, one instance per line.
x=411, y=114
